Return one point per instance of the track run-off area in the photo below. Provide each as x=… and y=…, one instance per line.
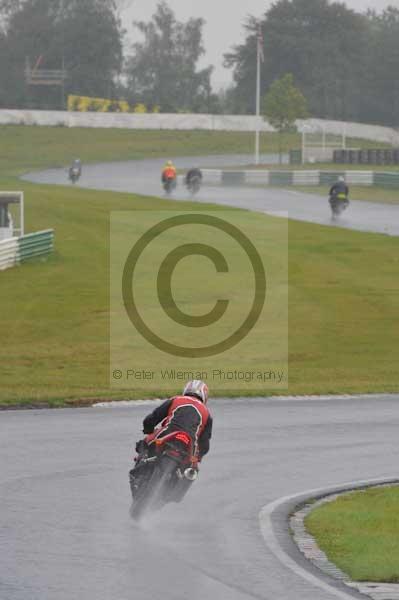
x=65, y=529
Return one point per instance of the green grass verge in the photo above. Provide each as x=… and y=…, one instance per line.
x=24, y=147
x=343, y=286
x=30, y=147
x=359, y=532
x=343, y=302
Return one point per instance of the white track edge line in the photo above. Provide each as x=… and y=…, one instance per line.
x=316, y=398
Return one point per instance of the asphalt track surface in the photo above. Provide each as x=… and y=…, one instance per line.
x=65, y=529
x=143, y=177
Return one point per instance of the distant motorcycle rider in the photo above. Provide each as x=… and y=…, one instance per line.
x=169, y=171
x=340, y=190
x=187, y=412
x=77, y=164
x=192, y=175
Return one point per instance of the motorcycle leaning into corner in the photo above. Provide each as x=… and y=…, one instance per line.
x=163, y=472
x=178, y=432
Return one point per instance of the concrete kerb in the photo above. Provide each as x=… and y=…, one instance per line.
x=276, y=521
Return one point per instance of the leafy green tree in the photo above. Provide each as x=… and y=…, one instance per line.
x=283, y=105
x=242, y=59
x=322, y=43
x=163, y=67
x=380, y=85
x=92, y=38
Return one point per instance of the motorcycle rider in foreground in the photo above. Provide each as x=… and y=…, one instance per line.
x=187, y=413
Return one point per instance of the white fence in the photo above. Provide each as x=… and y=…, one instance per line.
x=190, y=122
x=15, y=250
x=8, y=253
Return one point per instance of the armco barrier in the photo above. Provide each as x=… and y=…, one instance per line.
x=212, y=176
x=37, y=244
x=359, y=177
x=8, y=253
x=304, y=178
x=281, y=177
x=330, y=177
x=233, y=177
x=257, y=177
x=14, y=251
x=389, y=180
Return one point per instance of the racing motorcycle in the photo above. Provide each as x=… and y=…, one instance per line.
x=338, y=203
x=193, y=184
x=74, y=174
x=169, y=184
x=163, y=472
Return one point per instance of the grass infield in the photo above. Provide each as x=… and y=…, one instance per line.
x=25, y=147
x=343, y=285
x=359, y=532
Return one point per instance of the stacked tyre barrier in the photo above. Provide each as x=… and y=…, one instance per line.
x=389, y=156
x=287, y=178
x=14, y=251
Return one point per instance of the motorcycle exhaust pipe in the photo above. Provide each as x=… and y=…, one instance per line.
x=191, y=474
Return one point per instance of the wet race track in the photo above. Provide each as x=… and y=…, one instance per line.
x=143, y=177
x=65, y=530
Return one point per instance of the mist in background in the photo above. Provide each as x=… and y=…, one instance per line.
x=224, y=23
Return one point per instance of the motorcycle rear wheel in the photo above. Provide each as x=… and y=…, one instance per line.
x=151, y=496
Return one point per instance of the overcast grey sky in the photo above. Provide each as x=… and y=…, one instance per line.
x=224, y=22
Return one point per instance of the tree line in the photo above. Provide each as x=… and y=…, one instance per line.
x=86, y=39
x=343, y=62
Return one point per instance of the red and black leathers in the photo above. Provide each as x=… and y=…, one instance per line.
x=182, y=413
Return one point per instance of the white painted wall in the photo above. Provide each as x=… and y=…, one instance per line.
x=188, y=122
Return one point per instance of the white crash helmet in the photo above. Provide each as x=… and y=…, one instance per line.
x=198, y=389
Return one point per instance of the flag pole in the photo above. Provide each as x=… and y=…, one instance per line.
x=259, y=56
